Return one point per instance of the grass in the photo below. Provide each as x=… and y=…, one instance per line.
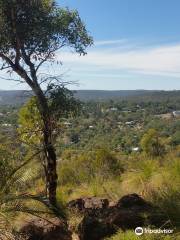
x=130, y=235
x=156, y=179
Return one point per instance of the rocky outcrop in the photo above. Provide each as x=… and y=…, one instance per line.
x=85, y=204
x=42, y=229
x=102, y=219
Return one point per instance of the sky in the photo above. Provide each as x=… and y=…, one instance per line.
x=136, y=46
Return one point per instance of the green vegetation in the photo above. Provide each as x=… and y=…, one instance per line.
x=108, y=150
x=117, y=147
x=129, y=235
x=54, y=148
x=33, y=32
x=152, y=144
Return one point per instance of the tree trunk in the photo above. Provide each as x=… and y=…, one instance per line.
x=51, y=175
x=49, y=150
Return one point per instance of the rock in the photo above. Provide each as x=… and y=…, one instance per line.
x=131, y=211
x=52, y=228
x=96, y=203
x=93, y=228
x=131, y=200
x=77, y=204
x=85, y=204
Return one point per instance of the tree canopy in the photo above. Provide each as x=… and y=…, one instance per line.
x=36, y=29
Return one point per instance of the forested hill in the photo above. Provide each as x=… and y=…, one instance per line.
x=86, y=95
x=13, y=97
x=17, y=97
x=105, y=95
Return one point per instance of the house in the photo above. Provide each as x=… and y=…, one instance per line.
x=113, y=109
x=130, y=123
x=126, y=111
x=176, y=114
x=135, y=149
x=6, y=125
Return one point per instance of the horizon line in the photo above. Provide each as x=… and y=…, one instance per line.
x=165, y=90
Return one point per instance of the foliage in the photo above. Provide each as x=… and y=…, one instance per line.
x=130, y=235
x=156, y=179
x=86, y=167
x=42, y=28
x=10, y=157
x=30, y=123
x=95, y=156
x=152, y=144
x=14, y=198
x=176, y=138
x=19, y=174
x=62, y=104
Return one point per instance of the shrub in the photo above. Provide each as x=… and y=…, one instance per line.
x=152, y=144
x=85, y=167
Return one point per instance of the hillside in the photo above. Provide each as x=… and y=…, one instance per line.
x=14, y=97
x=17, y=97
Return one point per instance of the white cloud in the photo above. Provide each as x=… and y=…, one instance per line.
x=110, y=42
x=163, y=60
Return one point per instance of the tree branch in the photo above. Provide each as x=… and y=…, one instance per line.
x=18, y=69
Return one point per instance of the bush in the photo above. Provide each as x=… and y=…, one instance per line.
x=152, y=144
x=85, y=167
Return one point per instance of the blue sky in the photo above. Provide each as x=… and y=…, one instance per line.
x=136, y=45
x=148, y=20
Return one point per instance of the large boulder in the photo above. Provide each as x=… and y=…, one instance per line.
x=45, y=229
x=133, y=200
x=129, y=212
x=85, y=204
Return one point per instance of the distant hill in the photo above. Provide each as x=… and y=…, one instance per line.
x=14, y=97
x=18, y=97
x=86, y=95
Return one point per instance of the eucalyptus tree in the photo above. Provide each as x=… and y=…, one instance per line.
x=31, y=33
